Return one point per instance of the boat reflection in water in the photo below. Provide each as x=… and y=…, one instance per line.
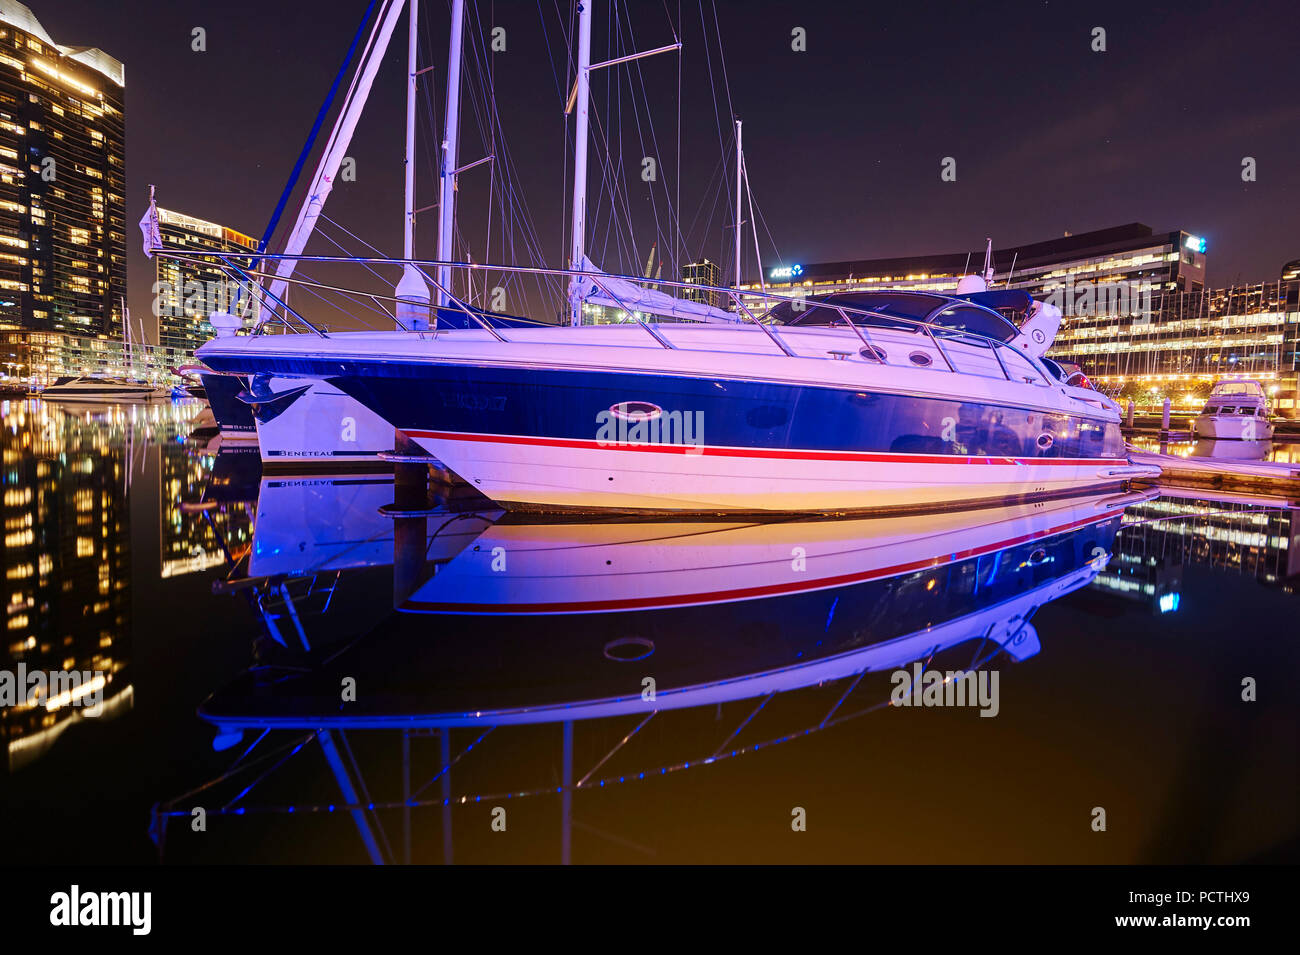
x=308, y=530
x=339, y=522
x=588, y=624
x=1232, y=450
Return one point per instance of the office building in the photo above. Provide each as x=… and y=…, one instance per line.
x=1124, y=255
x=1138, y=314
x=703, y=272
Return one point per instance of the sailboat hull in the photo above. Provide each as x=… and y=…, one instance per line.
x=233, y=417
x=316, y=423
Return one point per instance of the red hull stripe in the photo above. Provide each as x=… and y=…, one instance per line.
x=744, y=593
x=790, y=454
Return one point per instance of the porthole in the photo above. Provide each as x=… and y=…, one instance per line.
x=628, y=649
x=920, y=358
x=1037, y=557
x=636, y=410
x=1045, y=440
x=873, y=353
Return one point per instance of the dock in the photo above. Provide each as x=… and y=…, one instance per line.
x=1271, y=478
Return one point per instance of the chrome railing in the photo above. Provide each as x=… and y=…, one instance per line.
x=276, y=311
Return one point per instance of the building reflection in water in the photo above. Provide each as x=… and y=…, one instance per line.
x=69, y=471
x=197, y=538
x=67, y=561
x=1182, y=528
x=541, y=634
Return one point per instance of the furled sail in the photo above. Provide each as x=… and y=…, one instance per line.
x=602, y=289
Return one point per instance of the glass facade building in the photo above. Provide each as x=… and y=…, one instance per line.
x=1138, y=314
x=186, y=293
x=703, y=272
x=62, y=199
x=1129, y=254
x=1189, y=340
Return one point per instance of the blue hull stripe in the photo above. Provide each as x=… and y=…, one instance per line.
x=737, y=413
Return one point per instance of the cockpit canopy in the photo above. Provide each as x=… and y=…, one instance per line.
x=1238, y=387
x=962, y=314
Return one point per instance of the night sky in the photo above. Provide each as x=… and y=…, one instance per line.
x=843, y=142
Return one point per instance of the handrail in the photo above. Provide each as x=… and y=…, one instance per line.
x=463, y=307
x=653, y=334
x=735, y=295
x=780, y=343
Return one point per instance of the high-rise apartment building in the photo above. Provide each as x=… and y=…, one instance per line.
x=62, y=200
x=186, y=293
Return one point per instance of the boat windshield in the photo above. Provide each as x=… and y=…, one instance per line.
x=961, y=317
x=1243, y=388
x=979, y=321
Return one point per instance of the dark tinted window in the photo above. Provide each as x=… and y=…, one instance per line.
x=1054, y=368
x=819, y=310
x=964, y=318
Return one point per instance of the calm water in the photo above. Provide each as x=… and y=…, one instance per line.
x=256, y=668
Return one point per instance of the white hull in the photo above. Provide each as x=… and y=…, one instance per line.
x=610, y=567
x=1237, y=427
x=584, y=476
x=86, y=396
x=322, y=426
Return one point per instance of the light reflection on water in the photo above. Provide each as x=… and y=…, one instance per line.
x=134, y=550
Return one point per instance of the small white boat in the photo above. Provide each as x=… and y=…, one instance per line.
x=1236, y=409
x=100, y=389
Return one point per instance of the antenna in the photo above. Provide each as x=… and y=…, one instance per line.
x=988, y=260
x=1015, y=256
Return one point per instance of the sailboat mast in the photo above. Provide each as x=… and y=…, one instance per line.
x=127, y=351
x=447, y=199
x=408, y=234
x=412, y=290
x=583, y=86
x=739, y=166
x=323, y=181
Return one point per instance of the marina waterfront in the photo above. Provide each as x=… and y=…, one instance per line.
x=656, y=435
x=498, y=667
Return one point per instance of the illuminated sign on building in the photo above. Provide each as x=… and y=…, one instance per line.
x=786, y=272
x=1195, y=243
